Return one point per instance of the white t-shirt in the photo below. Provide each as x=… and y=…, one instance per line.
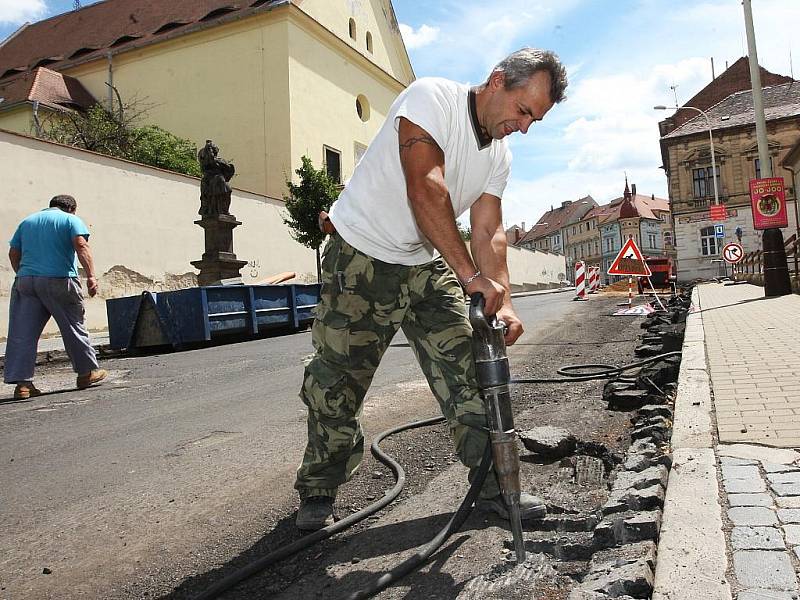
x=373, y=213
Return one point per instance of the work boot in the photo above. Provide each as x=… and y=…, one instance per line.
x=25, y=390
x=315, y=513
x=91, y=378
x=530, y=507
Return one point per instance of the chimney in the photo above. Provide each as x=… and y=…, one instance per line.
x=523, y=226
x=566, y=203
x=633, y=190
x=652, y=196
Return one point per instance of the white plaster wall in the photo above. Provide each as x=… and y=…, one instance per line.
x=142, y=230
x=534, y=269
x=140, y=219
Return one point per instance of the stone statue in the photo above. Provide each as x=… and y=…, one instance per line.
x=215, y=193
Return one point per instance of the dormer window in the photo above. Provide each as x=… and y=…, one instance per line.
x=218, y=12
x=82, y=52
x=124, y=40
x=369, y=42
x=170, y=26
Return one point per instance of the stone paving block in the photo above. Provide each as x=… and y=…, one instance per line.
x=757, y=538
x=740, y=472
x=784, y=477
x=786, y=489
x=766, y=595
x=736, y=462
x=750, y=500
x=764, y=569
x=788, y=501
x=779, y=468
x=792, y=533
x=753, y=516
x=747, y=486
x=789, y=515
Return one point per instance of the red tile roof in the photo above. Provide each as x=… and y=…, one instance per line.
x=556, y=218
x=48, y=88
x=111, y=25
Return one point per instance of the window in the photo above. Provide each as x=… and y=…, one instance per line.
x=333, y=164
x=702, y=185
x=668, y=238
x=651, y=239
x=709, y=246
x=596, y=247
x=609, y=244
x=352, y=26
x=362, y=107
x=369, y=42
x=573, y=230
x=758, y=167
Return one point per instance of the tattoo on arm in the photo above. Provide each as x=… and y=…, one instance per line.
x=424, y=139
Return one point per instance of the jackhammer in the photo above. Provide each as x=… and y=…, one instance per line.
x=493, y=373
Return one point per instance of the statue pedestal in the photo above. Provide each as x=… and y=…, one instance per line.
x=219, y=261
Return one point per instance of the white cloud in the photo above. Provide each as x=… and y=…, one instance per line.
x=19, y=11
x=421, y=37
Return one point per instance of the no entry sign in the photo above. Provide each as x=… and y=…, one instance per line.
x=732, y=253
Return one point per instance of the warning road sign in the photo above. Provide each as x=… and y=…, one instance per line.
x=629, y=261
x=732, y=253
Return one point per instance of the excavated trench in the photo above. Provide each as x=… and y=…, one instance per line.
x=597, y=452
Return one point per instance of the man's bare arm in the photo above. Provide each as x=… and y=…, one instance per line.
x=423, y=166
x=15, y=258
x=85, y=258
x=490, y=249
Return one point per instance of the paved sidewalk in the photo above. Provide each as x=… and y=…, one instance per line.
x=732, y=513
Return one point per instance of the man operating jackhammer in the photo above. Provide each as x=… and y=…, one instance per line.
x=396, y=259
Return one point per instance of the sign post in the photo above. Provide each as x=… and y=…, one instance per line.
x=630, y=262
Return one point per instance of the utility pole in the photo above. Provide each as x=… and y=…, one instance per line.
x=776, y=270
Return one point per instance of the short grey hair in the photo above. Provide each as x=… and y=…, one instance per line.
x=519, y=66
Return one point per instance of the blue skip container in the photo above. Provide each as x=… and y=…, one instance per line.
x=201, y=314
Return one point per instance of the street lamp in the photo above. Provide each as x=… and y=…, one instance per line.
x=710, y=139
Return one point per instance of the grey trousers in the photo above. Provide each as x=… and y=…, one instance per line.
x=33, y=301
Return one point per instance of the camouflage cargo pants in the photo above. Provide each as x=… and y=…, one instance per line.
x=363, y=303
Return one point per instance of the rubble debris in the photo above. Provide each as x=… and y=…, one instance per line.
x=550, y=442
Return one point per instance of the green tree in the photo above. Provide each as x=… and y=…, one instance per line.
x=315, y=192
x=114, y=132
x=157, y=147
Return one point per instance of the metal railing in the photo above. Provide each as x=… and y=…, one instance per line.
x=753, y=262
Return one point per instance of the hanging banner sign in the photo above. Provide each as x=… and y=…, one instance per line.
x=630, y=261
x=768, y=203
x=718, y=212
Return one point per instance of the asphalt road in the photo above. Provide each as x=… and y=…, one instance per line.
x=140, y=478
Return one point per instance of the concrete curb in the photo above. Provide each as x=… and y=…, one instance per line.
x=692, y=552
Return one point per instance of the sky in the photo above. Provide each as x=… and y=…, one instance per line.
x=622, y=56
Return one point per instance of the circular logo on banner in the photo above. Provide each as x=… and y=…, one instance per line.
x=732, y=253
x=769, y=205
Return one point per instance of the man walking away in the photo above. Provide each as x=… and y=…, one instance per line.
x=42, y=254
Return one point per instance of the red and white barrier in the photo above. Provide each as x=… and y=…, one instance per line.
x=594, y=279
x=580, y=281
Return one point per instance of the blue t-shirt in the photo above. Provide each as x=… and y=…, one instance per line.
x=45, y=239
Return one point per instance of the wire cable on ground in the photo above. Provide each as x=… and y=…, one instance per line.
x=309, y=540
x=570, y=374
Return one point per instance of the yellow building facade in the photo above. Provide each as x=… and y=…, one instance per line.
x=306, y=77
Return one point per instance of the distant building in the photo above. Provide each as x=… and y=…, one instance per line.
x=552, y=230
x=596, y=236
x=686, y=153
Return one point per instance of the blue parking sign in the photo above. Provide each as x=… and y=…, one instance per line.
x=719, y=230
